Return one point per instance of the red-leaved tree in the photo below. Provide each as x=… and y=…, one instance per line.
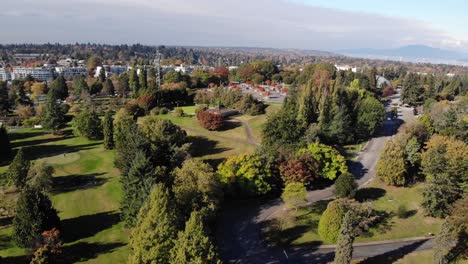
x=210, y=120
x=301, y=169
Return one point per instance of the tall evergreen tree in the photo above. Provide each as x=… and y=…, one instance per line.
x=87, y=124
x=102, y=75
x=134, y=82
x=136, y=186
x=143, y=79
x=4, y=102
x=17, y=173
x=307, y=112
x=34, y=215
x=108, y=130
x=153, y=237
x=372, y=76
x=108, y=87
x=79, y=85
x=54, y=118
x=59, y=87
x=194, y=244
x=344, y=247
x=439, y=193
x=443, y=244
x=4, y=145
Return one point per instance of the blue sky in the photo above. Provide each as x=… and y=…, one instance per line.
x=303, y=24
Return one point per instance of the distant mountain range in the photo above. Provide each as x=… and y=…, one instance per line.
x=411, y=53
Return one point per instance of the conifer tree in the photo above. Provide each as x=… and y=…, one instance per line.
x=443, y=244
x=108, y=130
x=194, y=245
x=87, y=124
x=153, y=237
x=108, y=87
x=134, y=82
x=143, y=79
x=4, y=145
x=344, y=247
x=53, y=119
x=34, y=215
x=307, y=112
x=59, y=87
x=17, y=173
x=136, y=186
x=79, y=84
x=102, y=75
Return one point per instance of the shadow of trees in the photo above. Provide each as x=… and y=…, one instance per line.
x=357, y=169
x=369, y=194
x=87, y=225
x=203, y=146
x=83, y=251
x=394, y=255
x=18, y=144
x=71, y=183
x=43, y=151
x=230, y=124
x=78, y=252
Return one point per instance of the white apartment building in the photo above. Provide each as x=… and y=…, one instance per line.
x=346, y=68
x=38, y=73
x=110, y=70
x=70, y=72
x=5, y=74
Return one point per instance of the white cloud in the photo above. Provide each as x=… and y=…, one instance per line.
x=267, y=23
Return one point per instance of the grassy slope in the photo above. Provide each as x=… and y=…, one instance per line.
x=88, y=201
x=302, y=228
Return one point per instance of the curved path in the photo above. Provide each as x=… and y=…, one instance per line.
x=248, y=131
x=239, y=226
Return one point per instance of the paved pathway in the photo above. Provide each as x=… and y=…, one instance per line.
x=239, y=234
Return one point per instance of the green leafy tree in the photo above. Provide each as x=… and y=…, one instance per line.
x=194, y=244
x=246, y=175
x=196, y=188
x=331, y=219
x=108, y=130
x=345, y=185
x=143, y=79
x=96, y=87
x=391, y=167
x=294, y=195
x=370, y=116
x=87, y=124
x=54, y=117
x=332, y=163
x=155, y=233
x=79, y=85
x=136, y=186
x=439, y=193
x=34, y=215
x=340, y=129
x=412, y=151
x=443, y=244
x=172, y=77
x=17, y=172
x=4, y=145
x=40, y=177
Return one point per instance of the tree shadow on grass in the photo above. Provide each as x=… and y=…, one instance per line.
x=87, y=225
x=230, y=124
x=23, y=135
x=408, y=214
x=43, y=151
x=37, y=141
x=71, y=183
x=78, y=252
x=394, y=255
x=214, y=163
x=84, y=251
x=369, y=194
x=203, y=146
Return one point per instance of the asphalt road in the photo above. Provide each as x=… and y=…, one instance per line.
x=239, y=226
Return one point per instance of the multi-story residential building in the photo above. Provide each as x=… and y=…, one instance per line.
x=5, y=74
x=111, y=69
x=38, y=73
x=70, y=72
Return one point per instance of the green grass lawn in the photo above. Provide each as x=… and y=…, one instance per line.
x=300, y=228
x=86, y=196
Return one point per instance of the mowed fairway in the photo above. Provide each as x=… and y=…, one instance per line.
x=86, y=194
x=87, y=188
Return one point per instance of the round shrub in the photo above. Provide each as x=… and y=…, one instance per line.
x=330, y=222
x=179, y=112
x=210, y=120
x=163, y=111
x=345, y=185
